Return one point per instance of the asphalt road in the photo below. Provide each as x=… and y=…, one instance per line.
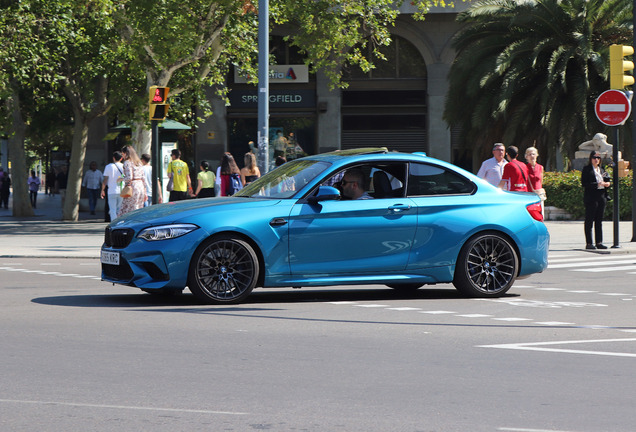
x=557, y=354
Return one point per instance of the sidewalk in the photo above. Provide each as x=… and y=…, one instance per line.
x=45, y=235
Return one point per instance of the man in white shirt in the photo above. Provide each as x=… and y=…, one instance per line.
x=492, y=169
x=93, y=182
x=112, y=176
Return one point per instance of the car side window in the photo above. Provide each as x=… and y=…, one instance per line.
x=427, y=179
x=379, y=180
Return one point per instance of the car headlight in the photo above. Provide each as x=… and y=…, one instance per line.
x=165, y=232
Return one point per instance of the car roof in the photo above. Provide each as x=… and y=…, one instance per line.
x=345, y=157
x=342, y=158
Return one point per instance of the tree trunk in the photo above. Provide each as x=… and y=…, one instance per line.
x=83, y=119
x=70, y=211
x=19, y=170
x=141, y=138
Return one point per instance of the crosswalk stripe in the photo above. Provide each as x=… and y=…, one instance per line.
x=593, y=263
x=591, y=258
x=607, y=269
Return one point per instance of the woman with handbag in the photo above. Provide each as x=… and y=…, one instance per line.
x=134, y=190
x=594, y=182
x=535, y=174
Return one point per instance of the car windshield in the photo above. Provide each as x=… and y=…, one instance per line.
x=285, y=181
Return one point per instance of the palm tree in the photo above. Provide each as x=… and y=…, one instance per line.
x=529, y=71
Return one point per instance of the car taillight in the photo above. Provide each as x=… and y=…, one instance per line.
x=535, y=211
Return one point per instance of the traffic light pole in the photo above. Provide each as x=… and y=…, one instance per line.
x=156, y=167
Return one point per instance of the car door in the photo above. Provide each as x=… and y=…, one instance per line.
x=447, y=210
x=356, y=236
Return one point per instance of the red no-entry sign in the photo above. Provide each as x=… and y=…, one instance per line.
x=613, y=107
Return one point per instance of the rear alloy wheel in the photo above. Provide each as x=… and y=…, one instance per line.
x=487, y=266
x=224, y=269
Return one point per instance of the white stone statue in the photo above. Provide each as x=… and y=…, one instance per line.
x=599, y=144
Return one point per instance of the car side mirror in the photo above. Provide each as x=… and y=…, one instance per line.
x=324, y=193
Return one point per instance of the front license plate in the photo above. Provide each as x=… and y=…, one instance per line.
x=110, y=258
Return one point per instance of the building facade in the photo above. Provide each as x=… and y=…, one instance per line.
x=398, y=105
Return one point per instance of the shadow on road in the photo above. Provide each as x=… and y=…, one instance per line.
x=258, y=297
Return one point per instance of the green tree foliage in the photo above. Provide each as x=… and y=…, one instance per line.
x=530, y=71
x=62, y=48
x=190, y=46
x=101, y=55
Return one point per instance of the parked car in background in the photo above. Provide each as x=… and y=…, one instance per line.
x=427, y=222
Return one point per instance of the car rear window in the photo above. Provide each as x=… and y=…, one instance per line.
x=428, y=179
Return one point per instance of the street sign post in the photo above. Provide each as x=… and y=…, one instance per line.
x=613, y=107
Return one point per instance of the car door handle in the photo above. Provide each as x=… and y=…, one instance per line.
x=397, y=208
x=276, y=222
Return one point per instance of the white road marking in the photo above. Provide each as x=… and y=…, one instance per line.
x=597, y=265
x=551, y=256
x=542, y=346
x=607, y=269
x=372, y=305
x=554, y=323
x=592, y=259
x=613, y=294
x=127, y=407
x=438, y=312
x=53, y=273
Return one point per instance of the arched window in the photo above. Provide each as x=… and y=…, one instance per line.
x=403, y=61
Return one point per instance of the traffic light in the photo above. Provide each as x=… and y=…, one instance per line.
x=618, y=66
x=157, y=98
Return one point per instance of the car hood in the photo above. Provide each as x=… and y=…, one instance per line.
x=181, y=211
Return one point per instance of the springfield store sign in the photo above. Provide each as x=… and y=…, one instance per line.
x=277, y=98
x=278, y=74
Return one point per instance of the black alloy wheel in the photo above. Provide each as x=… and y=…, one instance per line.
x=224, y=269
x=487, y=266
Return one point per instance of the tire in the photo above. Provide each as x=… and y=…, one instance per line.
x=487, y=266
x=223, y=270
x=405, y=287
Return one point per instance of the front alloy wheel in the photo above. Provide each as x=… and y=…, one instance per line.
x=224, y=269
x=487, y=266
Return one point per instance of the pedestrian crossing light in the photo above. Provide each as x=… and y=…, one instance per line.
x=157, y=106
x=618, y=66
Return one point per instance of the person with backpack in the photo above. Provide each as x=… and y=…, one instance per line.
x=180, y=174
x=230, y=176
